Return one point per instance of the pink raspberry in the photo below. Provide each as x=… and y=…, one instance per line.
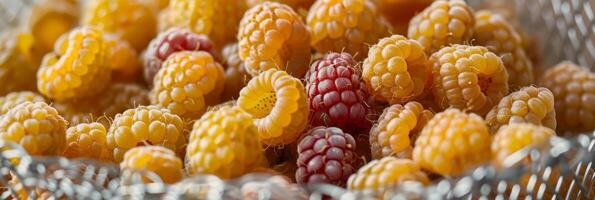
x=326, y=155
x=174, y=40
x=336, y=95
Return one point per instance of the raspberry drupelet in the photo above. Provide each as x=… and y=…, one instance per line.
x=380, y=175
x=87, y=140
x=441, y=24
x=15, y=98
x=397, y=129
x=346, y=26
x=397, y=70
x=470, y=78
x=494, y=32
x=36, y=126
x=573, y=87
x=77, y=67
x=297, y=5
x=132, y=20
x=528, y=105
x=514, y=137
x=143, y=126
x=326, y=155
x=169, y=42
x=336, y=93
x=188, y=83
x=155, y=159
x=272, y=35
x=453, y=142
x=224, y=143
x=279, y=105
x=18, y=63
x=218, y=19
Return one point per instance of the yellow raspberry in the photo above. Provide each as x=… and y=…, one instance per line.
x=156, y=159
x=514, y=137
x=49, y=19
x=123, y=59
x=528, y=105
x=17, y=62
x=574, y=90
x=224, y=143
x=218, y=19
x=346, y=26
x=37, y=127
x=132, y=20
x=15, y=98
x=397, y=70
x=382, y=174
x=468, y=77
x=87, y=140
x=278, y=103
x=397, y=129
x=452, y=142
x=495, y=33
x=142, y=126
x=400, y=12
x=272, y=35
x=103, y=107
x=77, y=68
x=187, y=83
x=236, y=76
x=441, y=24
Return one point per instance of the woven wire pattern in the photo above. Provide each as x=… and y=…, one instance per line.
x=568, y=26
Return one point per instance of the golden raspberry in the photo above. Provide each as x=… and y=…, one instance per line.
x=143, y=126
x=37, y=127
x=452, y=142
x=123, y=59
x=272, y=35
x=400, y=12
x=236, y=76
x=468, y=77
x=162, y=4
x=103, y=107
x=77, y=68
x=224, y=143
x=15, y=98
x=156, y=159
x=441, y=24
x=528, y=105
x=574, y=90
x=278, y=103
x=17, y=64
x=49, y=19
x=132, y=20
x=382, y=174
x=514, y=137
x=187, y=83
x=87, y=140
x=346, y=26
x=218, y=19
x=497, y=34
x=397, y=129
x=297, y=5
x=397, y=70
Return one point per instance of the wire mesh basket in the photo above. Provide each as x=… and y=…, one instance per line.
x=558, y=169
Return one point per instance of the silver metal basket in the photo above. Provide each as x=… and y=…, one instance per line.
x=559, y=169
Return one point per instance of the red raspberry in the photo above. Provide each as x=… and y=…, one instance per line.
x=336, y=96
x=171, y=41
x=326, y=155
